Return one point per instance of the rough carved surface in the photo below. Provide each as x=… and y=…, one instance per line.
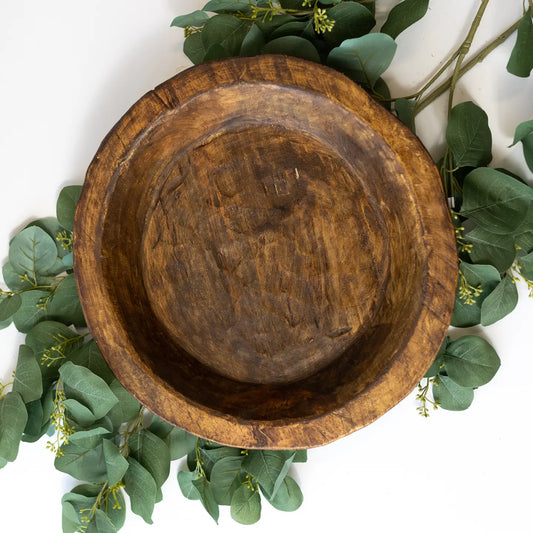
x=264, y=255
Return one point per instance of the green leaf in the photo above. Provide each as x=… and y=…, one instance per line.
x=220, y=6
x=196, y=19
x=13, y=279
x=212, y=456
x=497, y=202
x=9, y=306
x=66, y=205
x=435, y=367
x=216, y=51
x=116, y=464
x=3, y=462
x=102, y=523
x=365, y=58
x=526, y=266
x=34, y=428
x=293, y=46
x=521, y=60
x=269, y=467
x=246, y=505
x=351, y=20
x=65, y=304
x=89, y=439
x=30, y=312
x=89, y=356
x=225, y=478
x=51, y=226
x=194, y=48
x=500, y=302
x=207, y=497
x=491, y=249
x=403, y=15
x=32, y=252
x=79, y=413
x=468, y=136
x=524, y=133
x=80, y=463
x=484, y=276
x=88, y=388
x=152, y=453
x=225, y=31
x=270, y=24
x=289, y=496
x=300, y=456
x=471, y=361
x=180, y=443
x=140, y=487
x=185, y=481
x=450, y=395
x=28, y=381
x=253, y=42
x=68, y=260
x=13, y=418
x=302, y=28
x=405, y=109
x=49, y=333
x=127, y=407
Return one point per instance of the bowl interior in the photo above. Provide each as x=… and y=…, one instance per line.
x=261, y=257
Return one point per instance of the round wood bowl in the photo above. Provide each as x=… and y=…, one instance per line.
x=264, y=255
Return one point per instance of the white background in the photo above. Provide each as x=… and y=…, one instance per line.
x=68, y=70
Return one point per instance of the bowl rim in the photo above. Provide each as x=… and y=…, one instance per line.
x=439, y=284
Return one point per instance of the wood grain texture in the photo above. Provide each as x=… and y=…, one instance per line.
x=264, y=255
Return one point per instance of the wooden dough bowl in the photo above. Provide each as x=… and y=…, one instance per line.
x=264, y=254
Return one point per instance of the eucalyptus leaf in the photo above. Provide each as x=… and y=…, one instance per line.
x=31, y=311
x=221, y=6
x=364, y=58
x=33, y=253
x=216, y=51
x=300, y=456
x=195, y=19
x=468, y=135
x=351, y=20
x=471, y=361
x=207, y=497
x=89, y=439
x=403, y=15
x=28, y=381
x=451, y=396
x=300, y=28
x=524, y=134
x=500, y=302
x=526, y=266
x=141, y=488
x=210, y=457
x=491, y=249
x=521, y=60
x=289, y=496
x=194, y=48
x=48, y=334
x=127, y=408
x=13, y=418
x=152, y=453
x=51, y=226
x=497, y=202
x=89, y=356
x=9, y=306
x=253, y=42
x=101, y=523
x=293, y=46
x=13, y=279
x=269, y=467
x=68, y=260
x=185, y=482
x=88, y=388
x=79, y=413
x=405, y=110
x=225, y=31
x=65, y=304
x=34, y=429
x=484, y=277
x=435, y=367
x=269, y=25
x=66, y=205
x=180, y=443
x=116, y=464
x=225, y=478
x=246, y=505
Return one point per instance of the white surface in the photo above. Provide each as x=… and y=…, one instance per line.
x=69, y=70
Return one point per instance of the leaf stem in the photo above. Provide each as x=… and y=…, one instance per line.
x=478, y=58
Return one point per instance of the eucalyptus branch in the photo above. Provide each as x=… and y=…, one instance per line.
x=478, y=58
x=464, y=49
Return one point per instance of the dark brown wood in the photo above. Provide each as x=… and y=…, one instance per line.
x=264, y=255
